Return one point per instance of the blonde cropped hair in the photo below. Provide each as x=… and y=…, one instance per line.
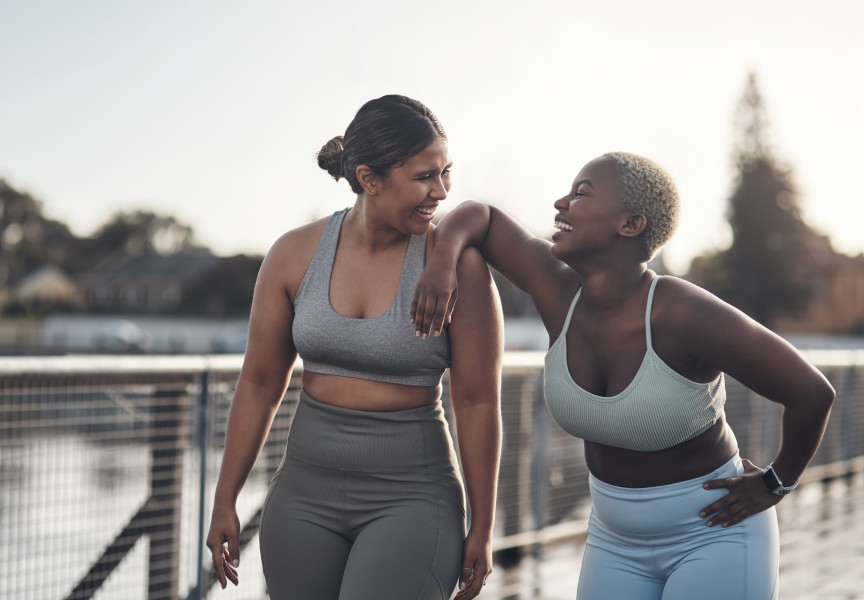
x=648, y=189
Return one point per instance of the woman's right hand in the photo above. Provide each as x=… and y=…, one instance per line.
x=223, y=542
x=434, y=298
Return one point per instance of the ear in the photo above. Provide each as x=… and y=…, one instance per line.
x=633, y=226
x=367, y=179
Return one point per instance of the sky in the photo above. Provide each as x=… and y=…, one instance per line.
x=213, y=111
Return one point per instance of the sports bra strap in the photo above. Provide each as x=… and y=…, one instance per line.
x=648, y=310
x=570, y=312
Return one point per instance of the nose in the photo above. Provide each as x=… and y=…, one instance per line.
x=440, y=189
x=562, y=203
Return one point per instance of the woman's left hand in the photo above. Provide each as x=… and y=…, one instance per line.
x=476, y=566
x=747, y=496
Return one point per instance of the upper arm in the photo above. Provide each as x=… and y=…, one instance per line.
x=270, y=352
x=523, y=258
x=476, y=334
x=727, y=340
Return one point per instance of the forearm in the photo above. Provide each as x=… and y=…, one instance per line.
x=803, y=428
x=249, y=420
x=466, y=225
x=478, y=428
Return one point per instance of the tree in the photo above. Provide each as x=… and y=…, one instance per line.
x=130, y=234
x=28, y=240
x=760, y=273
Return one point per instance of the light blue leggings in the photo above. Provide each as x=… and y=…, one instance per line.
x=650, y=543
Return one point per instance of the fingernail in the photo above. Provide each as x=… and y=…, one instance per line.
x=236, y=562
x=412, y=321
x=703, y=514
x=462, y=585
x=710, y=523
x=705, y=485
x=416, y=333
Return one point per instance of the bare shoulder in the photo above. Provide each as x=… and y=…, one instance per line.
x=291, y=254
x=699, y=322
x=678, y=300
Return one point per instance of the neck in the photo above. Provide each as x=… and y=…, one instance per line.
x=361, y=230
x=606, y=290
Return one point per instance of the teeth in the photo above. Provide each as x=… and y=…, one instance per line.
x=561, y=226
x=425, y=211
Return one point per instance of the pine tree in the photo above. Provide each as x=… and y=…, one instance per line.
x=760, y=273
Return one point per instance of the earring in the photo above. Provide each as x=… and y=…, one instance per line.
x=369, y=190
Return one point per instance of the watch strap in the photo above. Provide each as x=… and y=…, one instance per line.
x=774, y=483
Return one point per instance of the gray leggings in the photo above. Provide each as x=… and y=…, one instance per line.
x=365, y=504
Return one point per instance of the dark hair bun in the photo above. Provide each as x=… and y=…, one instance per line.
x=330, y=157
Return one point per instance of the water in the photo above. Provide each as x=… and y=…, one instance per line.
x=64, y=499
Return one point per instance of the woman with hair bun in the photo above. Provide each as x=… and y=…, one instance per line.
x=636, y=369
x=369, y=501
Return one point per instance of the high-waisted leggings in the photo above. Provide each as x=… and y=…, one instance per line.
x=365, y=504
x=651, y=544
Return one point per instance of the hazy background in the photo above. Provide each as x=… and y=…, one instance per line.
x=212, y=111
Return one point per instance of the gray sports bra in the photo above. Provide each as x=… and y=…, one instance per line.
x=382, y=348
x=660, y=407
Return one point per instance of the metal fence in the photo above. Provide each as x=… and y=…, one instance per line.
x=108, y=464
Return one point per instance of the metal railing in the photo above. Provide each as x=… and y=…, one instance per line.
x=108, y=464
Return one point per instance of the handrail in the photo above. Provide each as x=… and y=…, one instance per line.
x=173, y=363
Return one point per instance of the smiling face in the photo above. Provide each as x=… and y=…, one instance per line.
x=411, y=193
x=591, y=214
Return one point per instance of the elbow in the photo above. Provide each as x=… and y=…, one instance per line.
x=823, y=396
x=828, y=396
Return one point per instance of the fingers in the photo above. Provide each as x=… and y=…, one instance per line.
x=471, y=582
x=746, y=496
x=430, y=315
x=219, y=568
x=724, y=514
x=225, y=563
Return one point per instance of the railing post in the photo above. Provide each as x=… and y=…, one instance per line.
x=846, y=396
x=514, y=487
x=540, y=455
x=166, y=478
x=203, y=443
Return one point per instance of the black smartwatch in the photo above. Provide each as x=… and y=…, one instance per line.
x=773, y=483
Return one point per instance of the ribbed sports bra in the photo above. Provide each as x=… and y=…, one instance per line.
x=660, y=407
x=381, y=348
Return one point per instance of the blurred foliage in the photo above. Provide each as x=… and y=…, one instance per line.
x=30, y=241
x=27, y=239
x=761, y=272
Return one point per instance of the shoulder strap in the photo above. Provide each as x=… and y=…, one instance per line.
x=648, y=310
x=316, y=281
x=570, y=312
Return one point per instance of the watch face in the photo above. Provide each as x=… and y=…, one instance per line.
x=771, y=480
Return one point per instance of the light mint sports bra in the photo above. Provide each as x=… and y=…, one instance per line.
x=660, y=407
x=382, y=348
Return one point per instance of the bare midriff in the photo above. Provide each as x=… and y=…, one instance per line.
x=687, y=460
x=364, y=394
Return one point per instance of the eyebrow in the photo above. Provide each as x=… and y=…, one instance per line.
x=430, y=171
x=581, y=182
